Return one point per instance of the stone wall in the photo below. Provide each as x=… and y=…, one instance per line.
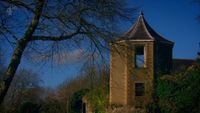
x=123, y=74
x=163, y=58
x=118, y=74
x=140, y=75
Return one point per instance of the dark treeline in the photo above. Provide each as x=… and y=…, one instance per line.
x=26, y=95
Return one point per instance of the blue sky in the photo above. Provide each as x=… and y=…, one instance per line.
x=176, y=20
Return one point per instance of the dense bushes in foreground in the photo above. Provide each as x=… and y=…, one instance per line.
x=179, y=93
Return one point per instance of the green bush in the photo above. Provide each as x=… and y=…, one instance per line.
x=179, y=93
x=98, y=98
x=76, y=101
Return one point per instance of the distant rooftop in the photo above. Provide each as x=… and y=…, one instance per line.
x=142, y=31
x=180, y=65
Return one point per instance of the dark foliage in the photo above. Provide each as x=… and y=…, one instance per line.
x=76, y=101
x=29, y=107
x=180, y=93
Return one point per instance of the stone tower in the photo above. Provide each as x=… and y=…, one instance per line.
x=135, y=60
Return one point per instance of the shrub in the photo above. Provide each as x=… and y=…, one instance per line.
x=98, y=98
x=76, y=101
x=29, y=107
x=180, y=93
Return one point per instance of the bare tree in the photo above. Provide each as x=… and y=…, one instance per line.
x=1, y=61
x=25, y=25
x=25, y=87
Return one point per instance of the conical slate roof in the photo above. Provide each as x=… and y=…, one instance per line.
x=142, y=31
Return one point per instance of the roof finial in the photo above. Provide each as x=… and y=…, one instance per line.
x=141, y=13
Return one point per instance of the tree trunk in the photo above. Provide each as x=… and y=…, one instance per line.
x=11, y=70
x=18, y=52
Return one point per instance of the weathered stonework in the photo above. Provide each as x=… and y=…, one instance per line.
x=123, y=73
x=86, y=106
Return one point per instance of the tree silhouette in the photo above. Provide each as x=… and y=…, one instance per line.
x=35, y=23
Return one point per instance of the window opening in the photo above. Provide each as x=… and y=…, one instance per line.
x=139, y=57
x=139, y=89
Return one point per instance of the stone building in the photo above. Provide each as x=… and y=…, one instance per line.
x=135, y=60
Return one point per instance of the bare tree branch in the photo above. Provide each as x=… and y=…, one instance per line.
x=81, y=21
x=16, y=57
